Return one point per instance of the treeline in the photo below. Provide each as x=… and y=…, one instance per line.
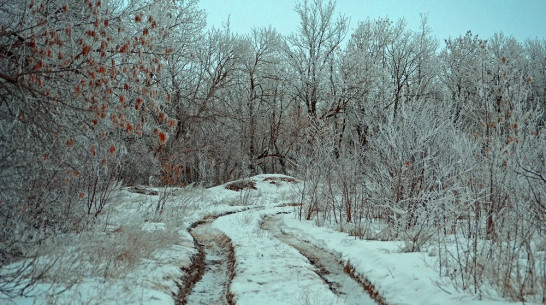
x=381, y=122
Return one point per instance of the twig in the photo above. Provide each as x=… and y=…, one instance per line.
x=390, y=272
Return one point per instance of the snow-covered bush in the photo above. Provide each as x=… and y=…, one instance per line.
x=414, y=171
x=497, y=244
x=316, y=163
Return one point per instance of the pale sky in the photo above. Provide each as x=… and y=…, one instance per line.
x=522, y=19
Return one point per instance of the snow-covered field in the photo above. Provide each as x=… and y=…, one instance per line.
x=272, y=259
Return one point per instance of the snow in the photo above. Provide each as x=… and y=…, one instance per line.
x=402, y=278
x=267, y=271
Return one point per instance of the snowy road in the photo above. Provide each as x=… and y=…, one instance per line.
x=263, y=263
x=214, y=265
x=245, y=257
x=349, y=290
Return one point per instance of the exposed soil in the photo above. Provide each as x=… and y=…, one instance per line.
x=241, y=185
x=142, y=190
x=273, y=180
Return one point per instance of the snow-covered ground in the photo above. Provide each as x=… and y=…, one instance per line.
x=268, y=268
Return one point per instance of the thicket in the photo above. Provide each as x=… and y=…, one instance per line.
x=439, y=146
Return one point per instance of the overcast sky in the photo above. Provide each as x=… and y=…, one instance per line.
x=522, y=19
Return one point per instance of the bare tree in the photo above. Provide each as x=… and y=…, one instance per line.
x=311, y=50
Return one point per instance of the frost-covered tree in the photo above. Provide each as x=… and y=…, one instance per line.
x=179, y=82
x=310, y=52
x=385, y=65
x=77, y=82
x=262, y=109
x=463, y=70
x=535, y=53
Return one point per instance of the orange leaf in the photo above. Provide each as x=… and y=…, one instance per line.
x=39, y=65
x=162, y=116
x=32, y=43
x=86, y=50
x=162, y=137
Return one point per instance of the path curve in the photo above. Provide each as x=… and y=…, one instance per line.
x=209, y=276
x=327, y=267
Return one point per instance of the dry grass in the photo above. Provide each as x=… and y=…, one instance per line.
x=120, y=244
x=105, y=255
x=119, y=240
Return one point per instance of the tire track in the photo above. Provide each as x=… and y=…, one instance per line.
x=207, y=280
x=340, y=277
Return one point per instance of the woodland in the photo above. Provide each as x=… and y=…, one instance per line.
x=442, y=140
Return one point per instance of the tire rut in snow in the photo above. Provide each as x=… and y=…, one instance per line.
x=346, y=285
x=209, y=276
